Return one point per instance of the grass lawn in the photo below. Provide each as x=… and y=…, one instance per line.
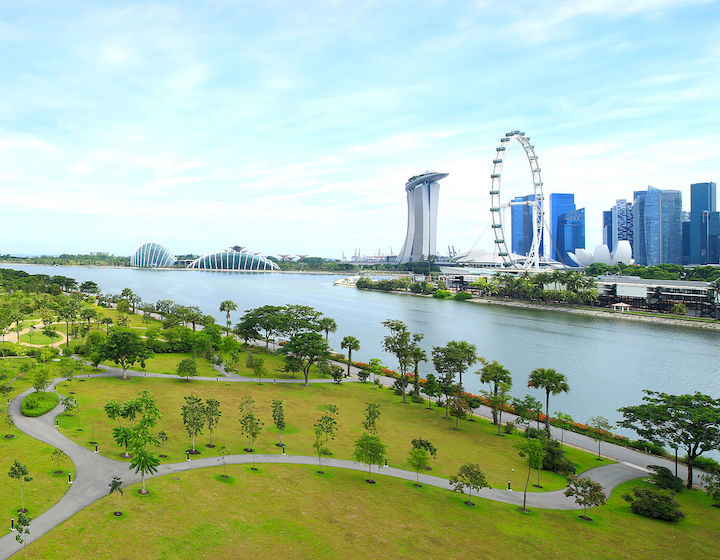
x=293, y=513
x=39, y=338
x=167, y=363
x=274, y=364
x=475, y=441
x=37, y=404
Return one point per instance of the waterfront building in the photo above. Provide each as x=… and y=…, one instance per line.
x=657, y=227
x=521, y=224
x=233, y=260
x=152, y=255
x=659, y=295
x=602, y=254
x=570, y=234
x=422, y=200
x=560, y=203
x=703, y=219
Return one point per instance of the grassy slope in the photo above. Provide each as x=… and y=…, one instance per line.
x=475, y=441
x=290, y=512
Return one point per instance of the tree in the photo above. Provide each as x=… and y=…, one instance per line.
x=469, y=476
x=193, y=417
x=421, y=443
x=587, y=493
x=398, y=344
x=319, y=445
x=497, y=400
x=351, y=343
x=305, y=349
x=431, y=388
x=187, y=368
x=417, y=355
x=68, y=313
x=448, y=387
x=278, y=414
x=89, y=287
x=22, y=526
x=459, y=408
x=266, y=318
x=527, y=409
x=212, y=413
x=689, y=422
x=259, y=368
x=599, y=425
x=712, y=487
x=494, y=374
x=371, y=451
x=328, y=425
x=227, y=306
x=454, y=358
x=372, y=413
x=250, y=425
x=124, y=347
x=116, y=488
x=41, y=379
x=532, y=450
x=144, y=463
x=552, y=382
x=328, y=325
x=418, y=459
x=58, y=456
x=19, y=471
x=564, y=419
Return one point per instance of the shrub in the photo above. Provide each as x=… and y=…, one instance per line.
x=647, y=446
x=509, y=428
x=442, y=294
x=554, y=458
x=462, y=296
x=37, y=404
x=655, y=504
x=417, y=399
x=665, y=479
x=537, y=433
x=707, y=464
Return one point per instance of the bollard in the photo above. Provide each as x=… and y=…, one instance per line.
x=386, y=462
x=69, y=478
x=96, y=449
x=12, y=523
x=187, y=455
x=283, y=448
x=509, y=486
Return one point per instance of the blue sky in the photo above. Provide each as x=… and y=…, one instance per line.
x=292, y=127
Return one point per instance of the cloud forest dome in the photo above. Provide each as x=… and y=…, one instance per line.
x=152, y=255
x=233, y=260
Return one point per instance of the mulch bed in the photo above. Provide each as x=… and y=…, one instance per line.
x=469, y=503
x=249, y=450
x=369, y=481
x=192, y=451
x=9, y=436
x=117, y=513
x=210, y=445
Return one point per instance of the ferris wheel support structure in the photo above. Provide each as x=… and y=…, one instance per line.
x=497, y=205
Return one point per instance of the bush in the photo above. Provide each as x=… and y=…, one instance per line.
x=665, y=479
x=537, y=433
x=462, y=296
x=509, y=428
x=707, y=464
x=442, y=294
x=37, y=404
x=554, y=458
x=647, y=446
x=654, y=504
x=417, y=399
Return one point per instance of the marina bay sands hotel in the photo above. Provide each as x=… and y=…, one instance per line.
x=422, y=199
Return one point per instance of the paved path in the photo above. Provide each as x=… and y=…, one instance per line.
x=93, y=472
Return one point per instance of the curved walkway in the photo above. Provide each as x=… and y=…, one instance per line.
x=94, y=471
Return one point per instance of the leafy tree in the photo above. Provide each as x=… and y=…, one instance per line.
x=19, y=471
x=305, y=349
x=420, y=443
x=144, y=463
x=599, y=426
x=187, y=368
x=328, y=325
x=124, y=347
x=193, y=417
x=89, y=287
x=249, y=359
x=398, y=344
x=497, y=399
x=431, y=388
x=712, y=487
x=250, y=425
x=372, y=413
x=58, y=455
x=68, y=313
x=259, y=368
x=417, y=355
x=469, y=476
x=22, y=526
x=41, y=379
x=448, y=388
x=587, y=493
x=689, y=422
x=459, y=408
x=116, y=488
x=267, y=318
x=318, y=444
x=375, y=367
x=532, y=450
x=227, y=306
x=212, y=413
x=278, y=414
x=351, y=343
x=565, y=419
x=371, y=451
x=527, y=409
x=552, y=382
x=418, y=459
x=328, y=425
x=454, y=358
x=494, y=374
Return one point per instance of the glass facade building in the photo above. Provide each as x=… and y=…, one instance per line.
x=152, y=255
x=570, y=235
x=657, y=227
x=559, y=204
x=233, y=260
x=702, y=207
x=521, y=224
x=607, y=229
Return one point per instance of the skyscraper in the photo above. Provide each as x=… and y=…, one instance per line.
x=657, y=227
x=560, y=203
x=608, y=229
x=702, y=206
x=521, y=224
x=422, y=199
x=570, y=234
x=622, y=222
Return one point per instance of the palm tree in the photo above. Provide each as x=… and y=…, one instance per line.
x=351, y=343
x=553, y=382
x=495, y=375
x=328, y=325
x=228, y=306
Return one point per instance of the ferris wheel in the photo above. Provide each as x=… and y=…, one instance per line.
x=500, y=202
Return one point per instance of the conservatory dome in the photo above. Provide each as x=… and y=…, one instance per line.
x=233, y=260
x=152, y=255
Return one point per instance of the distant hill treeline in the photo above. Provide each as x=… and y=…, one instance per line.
x=69, y=260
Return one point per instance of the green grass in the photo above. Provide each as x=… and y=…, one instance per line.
x=291, y=512
x=274, y=364
x=167, y=363
x=474, y=442
x=37, y=404
x=39, y=338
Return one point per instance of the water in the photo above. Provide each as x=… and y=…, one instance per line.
x=607, y=362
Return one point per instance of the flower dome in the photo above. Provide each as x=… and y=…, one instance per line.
x=233, y=260
x=152, y=255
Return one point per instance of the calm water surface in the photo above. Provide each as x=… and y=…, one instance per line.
x=608, y=362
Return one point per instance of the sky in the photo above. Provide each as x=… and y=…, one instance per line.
x=292, y=127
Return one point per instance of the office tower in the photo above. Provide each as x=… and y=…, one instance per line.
x=570, y=234
x=702, y=206
x=685, y=217
x=607, y=229
x=560, y=204
x=657, y=226
x=622, y=222
x=521, y=224
x=422, y=199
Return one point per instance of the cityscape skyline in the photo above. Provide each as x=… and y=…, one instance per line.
x=197, y=126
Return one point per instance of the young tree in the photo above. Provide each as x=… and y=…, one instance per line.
x=251, y=426
x=305, y=349
x=58, y=456
x=527, y=409
x=599, y=426
x=328, y=425
x=375, y=368
x=41, y=379
x=224, y=452
x=421, y=443
x=552, y=382
x=227, y=306
x=459, y=408
x=418, y=459
x=187, y=368
x=278, y=414
x=371, y=451
x=19, y=471
x=494, y=374
x=259, y=368
x=143, y=463
x=587, y=493
x=212, y=413
x=319, y=445
x=469, y=476
x=498, y=399
x=689, y=422
x=398, y=344
x=124, y=347
x=454, y=358
x=417, y=355
x=22, y=526
x=431, y=389
x=565, y=419
x=372, y=413
x=448, y=388
x=116, y=488
x=532, y=450
x=328, y=325
x=193, y=417
x=712, y=487
x=351, y=343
